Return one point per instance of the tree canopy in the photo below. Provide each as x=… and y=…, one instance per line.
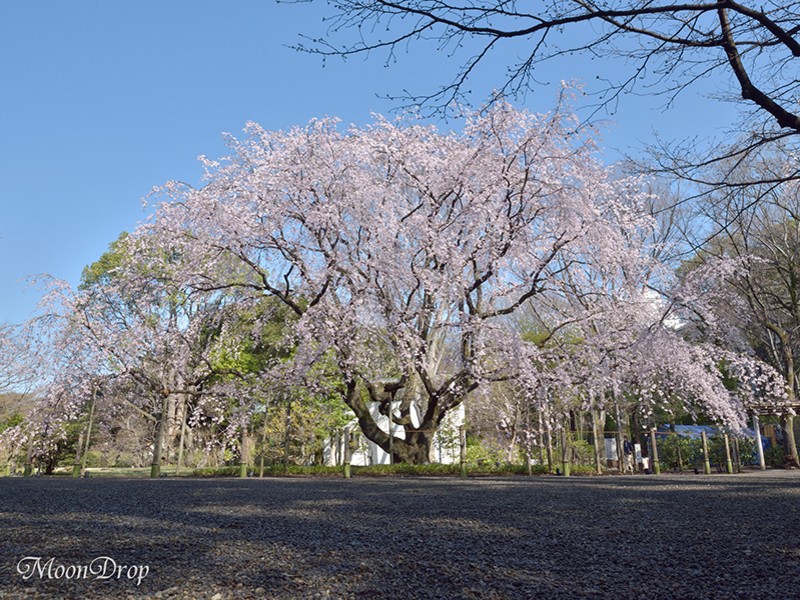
x=402, y=238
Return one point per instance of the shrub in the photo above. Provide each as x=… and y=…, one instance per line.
x=716, y=451
x=216, y=472
x=580, y=469
x=582, y=453
x=775, y=456
x=124, y=461
x=748, y=454
x=480, y=453
x=407, y=469
x=96, y=459
x=678, y=452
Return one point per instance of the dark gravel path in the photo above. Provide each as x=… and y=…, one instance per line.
x=546, y=537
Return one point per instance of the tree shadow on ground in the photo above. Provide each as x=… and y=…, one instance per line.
x=412, y=537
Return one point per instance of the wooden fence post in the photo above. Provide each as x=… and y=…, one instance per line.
x=346, y=462
x=728, y=463
x=654, y=444
x=243, y=454
x=737, y=459
x=565, y=458
x=706, y=461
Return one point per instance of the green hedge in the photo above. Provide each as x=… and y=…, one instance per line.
x=402, y=469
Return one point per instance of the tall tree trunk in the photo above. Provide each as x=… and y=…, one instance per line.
x=76, y=466
x=79, y=467
x=171, y=431
x=263, y=443
x=540, y=438
x=244, y=453
x=29, y=460
x=565, y=446
x=549, y=435
x=88, y=439
x=286, y=436
x=620, y=449
x=155, y=467
x=528, y=440
x=512, y=444
x=182, y=442
x=598, y=433
x=636, y=435
x=787, y=420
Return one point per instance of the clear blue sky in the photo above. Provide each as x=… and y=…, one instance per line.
x=104, y=99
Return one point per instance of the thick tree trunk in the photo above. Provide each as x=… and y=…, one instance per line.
x=416, y=447
x=790, y=444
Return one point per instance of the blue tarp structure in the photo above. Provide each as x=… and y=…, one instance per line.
x=693, y=432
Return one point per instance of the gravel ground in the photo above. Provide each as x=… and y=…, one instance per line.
x=546, y=537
